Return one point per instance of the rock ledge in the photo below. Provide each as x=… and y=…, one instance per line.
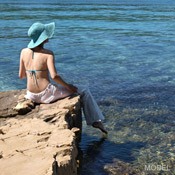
x=29, y=143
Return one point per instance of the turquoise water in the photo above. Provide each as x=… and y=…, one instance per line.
x=124, y=51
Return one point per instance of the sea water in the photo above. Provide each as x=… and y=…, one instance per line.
x=125, y=52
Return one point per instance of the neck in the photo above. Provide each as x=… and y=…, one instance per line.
x=38, y=48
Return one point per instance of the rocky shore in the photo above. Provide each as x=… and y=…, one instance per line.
x=38, y=139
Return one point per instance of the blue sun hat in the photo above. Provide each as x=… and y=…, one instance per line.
x=39, y=32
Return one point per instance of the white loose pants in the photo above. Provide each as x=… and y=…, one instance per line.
x=91, y=110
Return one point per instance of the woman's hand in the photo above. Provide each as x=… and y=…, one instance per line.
x=72, y=88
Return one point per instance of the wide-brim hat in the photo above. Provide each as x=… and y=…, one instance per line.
x=39, y=32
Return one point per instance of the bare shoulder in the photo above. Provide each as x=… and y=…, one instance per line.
x=25, y=51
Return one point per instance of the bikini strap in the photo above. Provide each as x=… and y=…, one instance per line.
x=32, y=54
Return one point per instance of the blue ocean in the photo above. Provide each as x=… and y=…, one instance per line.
x=125, y=52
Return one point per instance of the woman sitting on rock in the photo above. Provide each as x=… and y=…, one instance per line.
x=36, y=63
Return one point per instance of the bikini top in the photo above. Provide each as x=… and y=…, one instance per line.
x=34, y=71
x=33, y=74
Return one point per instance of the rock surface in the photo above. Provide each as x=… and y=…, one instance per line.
x=29, y=142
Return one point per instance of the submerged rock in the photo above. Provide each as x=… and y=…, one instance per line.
x=119, y=167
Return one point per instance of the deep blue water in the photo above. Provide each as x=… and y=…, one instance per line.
x=124, y=51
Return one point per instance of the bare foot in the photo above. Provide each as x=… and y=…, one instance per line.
x=100, y=126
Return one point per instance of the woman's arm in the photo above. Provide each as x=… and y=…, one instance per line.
x=57, y=78
x=22, y=70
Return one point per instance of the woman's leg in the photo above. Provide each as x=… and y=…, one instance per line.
x=91, y=110
x=62, y=92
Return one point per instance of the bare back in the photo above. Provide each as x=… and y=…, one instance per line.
x=35, y=64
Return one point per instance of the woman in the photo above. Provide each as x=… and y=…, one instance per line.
x=37, y=63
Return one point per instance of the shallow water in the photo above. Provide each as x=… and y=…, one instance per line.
x=124, y=52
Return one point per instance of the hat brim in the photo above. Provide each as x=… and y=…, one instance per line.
x=46, y=34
